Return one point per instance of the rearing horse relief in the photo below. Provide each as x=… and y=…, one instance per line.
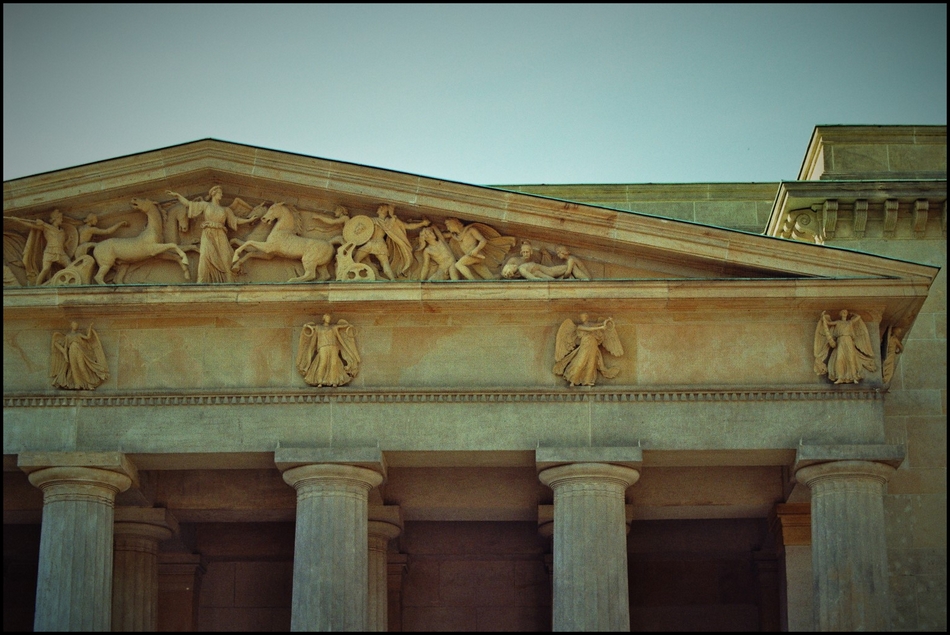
x=124, y=251
x=285, y=241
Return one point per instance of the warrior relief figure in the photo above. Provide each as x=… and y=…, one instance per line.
x=326, y=353
x=849, y=343
x=330, y=224
x=77, y=361
x=577, y=350
x=389, y=243
x=480, y=248
x=48, y=244
x=438, y=260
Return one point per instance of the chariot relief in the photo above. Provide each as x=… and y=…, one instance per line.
x=216, y=243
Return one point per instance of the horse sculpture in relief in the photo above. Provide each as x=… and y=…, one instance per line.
x=285, y=241
x=175, y=227
x=125, y=251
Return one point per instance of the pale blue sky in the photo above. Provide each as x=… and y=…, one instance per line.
x=484, y=94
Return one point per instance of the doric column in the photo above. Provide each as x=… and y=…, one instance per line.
x=138, y=531
x=331, y=563
x=74, y=582
x=590, y=545
x=849, y=554
x=385, y=523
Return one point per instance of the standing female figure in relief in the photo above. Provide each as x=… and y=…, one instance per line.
x=77, y=361
x=850, y=345
x=326, y=354
x=577, y=350
x=215, y=251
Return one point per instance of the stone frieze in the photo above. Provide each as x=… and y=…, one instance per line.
x=212, y=242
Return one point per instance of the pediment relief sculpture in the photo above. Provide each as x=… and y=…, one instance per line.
x=843, y=348
x=579, y=350
x=285, y=240
x=327, y=354
x=77, y=361
x=230, y=243
x=539, y=264
x=48, y=244
x=215, y=252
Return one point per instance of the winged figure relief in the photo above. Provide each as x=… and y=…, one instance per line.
x=327, y=354
x=578, y=354
x=849, y=344
x=77, y=361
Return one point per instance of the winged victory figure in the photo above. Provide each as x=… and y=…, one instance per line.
x=577, y=350
x=849, y=343
x=327, y=355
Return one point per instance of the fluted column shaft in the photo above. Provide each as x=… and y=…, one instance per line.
x=135, y=575
x=849, y=554
x=330, y=547
x=74, y=585
x=590, y=546
x=380, y=533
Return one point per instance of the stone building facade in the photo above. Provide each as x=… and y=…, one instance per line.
x=250, y=390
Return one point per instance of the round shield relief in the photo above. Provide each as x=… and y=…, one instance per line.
x=358, y=230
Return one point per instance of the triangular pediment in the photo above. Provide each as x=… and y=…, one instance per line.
x=610, y=246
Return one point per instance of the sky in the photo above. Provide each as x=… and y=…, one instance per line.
x=480, y=94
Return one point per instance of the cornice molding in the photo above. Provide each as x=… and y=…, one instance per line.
x=813, y=211
x=696, y=298
x=303, y=178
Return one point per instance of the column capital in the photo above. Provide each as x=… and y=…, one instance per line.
x=838, y=470
x=111, y=470
x=384, y=521
x=306, y=475
x=620, y=475
x=145, y=522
